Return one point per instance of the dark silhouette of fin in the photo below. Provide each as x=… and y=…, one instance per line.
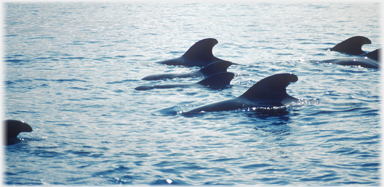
x=375, y=55
x=14, y=127
x=270, y=91
x=199, y=54
x=201, y=50
x=218, y=80
x=215, y=67
x=352, y=46
x=271, y=88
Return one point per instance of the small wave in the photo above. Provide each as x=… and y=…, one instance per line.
x=8, y=83
x=122, y=81
x=120, y=169
x=353, y=138
x=46, y=153
x=64, y=125
x=73, y=58
x=285, y=54
x=167, y=182
x=267, y=111
x=344, y=151
x=171, y=111
x=126, y=179
x=253, y=166
x=118, y=91
x=11, y=35
x=78, y=88
x=224, y=159
x=16, y=61
x=62, y=80
x=26, y=181
x=322, y=178
x=138, y=155
x=69, y=80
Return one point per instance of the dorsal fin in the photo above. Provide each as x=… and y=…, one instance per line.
x=352, y=46
x=375, y=55
x=272, y=87
x=216, y=67
x=201, y=50
x=218, y=80
x=14, y=127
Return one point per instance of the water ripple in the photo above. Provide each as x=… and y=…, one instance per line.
x=71, y=70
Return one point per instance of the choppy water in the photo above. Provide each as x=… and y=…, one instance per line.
x=71, y=69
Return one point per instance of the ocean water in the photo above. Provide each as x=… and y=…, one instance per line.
x=70, y=70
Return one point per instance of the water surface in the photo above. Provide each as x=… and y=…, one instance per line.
x=71, y=69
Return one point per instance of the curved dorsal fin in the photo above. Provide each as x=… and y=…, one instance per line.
x=352, y=46
x=201, y=50
x=272, y=87
x=215, y=67
x=218, y=79
x=14, y=127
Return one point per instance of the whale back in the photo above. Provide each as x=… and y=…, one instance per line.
x=14, y=127
x=356, y=61
x=215, y=67
x=162, y=86
x=271, y=88
x=201, y=50
x=375, y=55
x=171, y=76
x=218, y=80
x=352, y=46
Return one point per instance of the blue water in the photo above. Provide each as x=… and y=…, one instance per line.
x=71, y=69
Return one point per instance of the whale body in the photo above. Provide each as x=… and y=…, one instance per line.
x=355, y=61
x=374, y=55
x=199, y=54
x=209, y=70
x=352, y=46
x=368, y=60
x=270, y=91
x=218, y=80
x=13, y=128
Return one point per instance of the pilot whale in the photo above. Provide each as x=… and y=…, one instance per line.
x=13, y=128
x=218, y=80
x=352, y=46
x=211, y=69
x=270, y=91
x=355, y=61
x=200, y=54
x=368, y=60
x=374, y=55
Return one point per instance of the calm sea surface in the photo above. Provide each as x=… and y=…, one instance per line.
x=71, y=69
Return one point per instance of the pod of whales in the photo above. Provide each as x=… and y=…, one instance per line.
x=270, y=91
x=200, y=54
x=13, y=128
x=352, y=46
x=219, y=80
x=209, y=70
